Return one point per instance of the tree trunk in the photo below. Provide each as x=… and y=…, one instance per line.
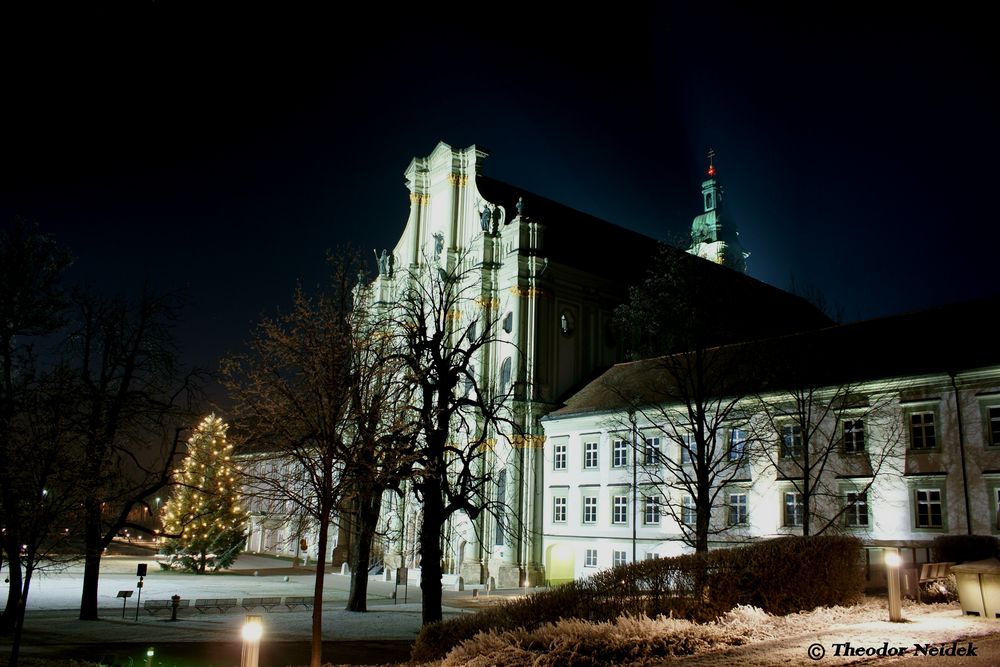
x=15, y=648
x=366, y=520
x=8, y=622
x=316, y=644
x=430, y=553
x=93, y=549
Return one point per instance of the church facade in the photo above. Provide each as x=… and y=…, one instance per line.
x=552, y=277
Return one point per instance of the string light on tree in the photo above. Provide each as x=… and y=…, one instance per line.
x=204, y=508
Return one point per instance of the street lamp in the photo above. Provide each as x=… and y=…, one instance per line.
x=149, y=656
x=892, y=563
x=252, y=630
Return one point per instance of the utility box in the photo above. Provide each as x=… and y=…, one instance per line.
x=979, y=587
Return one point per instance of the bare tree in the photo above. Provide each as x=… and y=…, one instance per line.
x=45, y=503
x=684, y=419
x=32, y=306
x=687, y=390
x=441, y=324
x=130, y=395
x=314, y=406
x=828, y=441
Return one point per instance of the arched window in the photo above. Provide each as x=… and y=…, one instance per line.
x=505, y=375
x=501, y=506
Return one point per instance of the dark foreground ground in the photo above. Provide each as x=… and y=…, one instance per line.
x=221, y=654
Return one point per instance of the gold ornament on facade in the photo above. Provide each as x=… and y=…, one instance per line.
x=528, y=441
x=458, y=179
x=530, y=292
x=421, y=199
x=487, y=303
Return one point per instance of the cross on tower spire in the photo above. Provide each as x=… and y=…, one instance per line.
x=711, y=162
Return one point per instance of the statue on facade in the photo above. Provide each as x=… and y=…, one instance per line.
x=384, y=263
x=438, y=243
x=486, y=218
x=520, y=206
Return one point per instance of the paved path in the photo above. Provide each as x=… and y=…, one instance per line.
x=52, y=628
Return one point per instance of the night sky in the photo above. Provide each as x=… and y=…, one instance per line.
x=223, y=151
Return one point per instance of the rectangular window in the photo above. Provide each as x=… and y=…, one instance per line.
x=857, y=509
x=620, y=558
x=922, y=430
x=651, y=511
x=652, y=451
x=590, y=455
x=793, y=508
x=559, y=510
x=791, y=441
x=929, y=509
x=689, y=447
x=996, y=509
x=559, y=457
x=590, y=509
x=619, y=453
x=620, y=514
x=689, y=515
x=993, y=425
x=737, y=509
x=854, y=436
x=737, y=444
x=590, y=559
x=652, y=555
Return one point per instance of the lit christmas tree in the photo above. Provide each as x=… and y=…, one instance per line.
x=204, y=508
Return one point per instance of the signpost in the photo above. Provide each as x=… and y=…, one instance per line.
x=140, y=571
x=124, y=595
x=401, y=575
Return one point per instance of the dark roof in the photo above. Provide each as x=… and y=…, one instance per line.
x=751, y=309
x=574, y=238
x=948, y=339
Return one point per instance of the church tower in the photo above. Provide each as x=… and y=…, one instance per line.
x=713, y=236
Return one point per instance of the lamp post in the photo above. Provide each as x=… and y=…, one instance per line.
x=892, y=563
x=149, y=656
x=252, y=630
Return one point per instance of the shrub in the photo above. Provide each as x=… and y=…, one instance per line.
x=945, y=590
x=962, y=548
x=779, y=576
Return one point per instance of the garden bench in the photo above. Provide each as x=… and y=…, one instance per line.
x=267, y=603
x=222, y=604
x=154, y=606
x=302, y=600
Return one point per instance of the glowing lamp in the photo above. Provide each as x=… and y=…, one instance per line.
x=252, y=629
x=893, y=559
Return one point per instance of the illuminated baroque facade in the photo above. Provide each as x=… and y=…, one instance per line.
x=552, y=277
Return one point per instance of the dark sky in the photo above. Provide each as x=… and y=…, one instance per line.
x=224, y=150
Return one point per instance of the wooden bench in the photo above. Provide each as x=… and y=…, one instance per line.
x=267, y=603
x=222, y=604
x=302, y=600
x=155, y=606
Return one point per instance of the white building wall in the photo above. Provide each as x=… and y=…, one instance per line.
x=891, y=498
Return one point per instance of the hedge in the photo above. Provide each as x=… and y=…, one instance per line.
x=780, y=576
x=963, y=548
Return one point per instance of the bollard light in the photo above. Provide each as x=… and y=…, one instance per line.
x=149, y=656
x=252, y=631
x=892, y=563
